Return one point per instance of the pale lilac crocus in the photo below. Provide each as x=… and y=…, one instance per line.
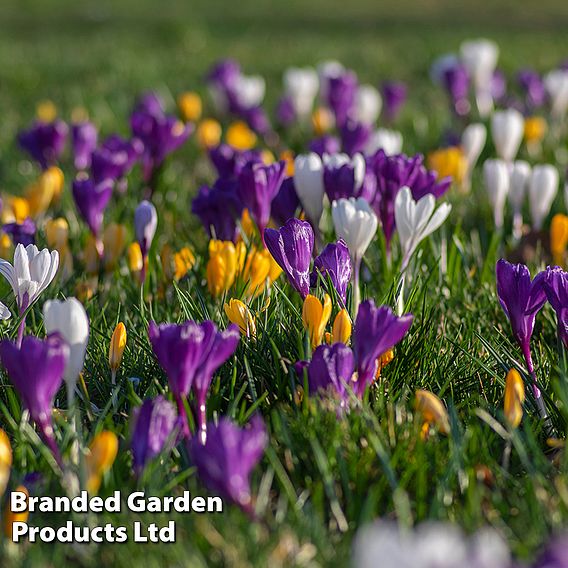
x=84, y=139
x=145, y=224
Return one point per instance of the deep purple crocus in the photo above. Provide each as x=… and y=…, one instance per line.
x=229, y=161
x=341, y=95
x=257, y=119
x=355, y=136
x=44, y=141
x=426, y=181
x=257, y=186
x=84, y=139
x=291, y=247
x=36, y=370
x=325, y=144
x=334, y=262
x=154, y=426
x=91, y=200
x=286, y=112
x=224, y=463
x=554, y=555
x=498, y=86
x=456, y=82
x=21, y=233
x=521, y=299
x=532, y=85
x=115, y=158
x=286, y=202
x=556, y=289
x=394, y=97
x=377, y=329
x=343, y=178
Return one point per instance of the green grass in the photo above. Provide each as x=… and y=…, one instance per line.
x=321, y=478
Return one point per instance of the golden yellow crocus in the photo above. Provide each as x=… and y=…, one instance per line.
x=57, y=233
x=116, y=348
x=135, y=259
x=322, y=120
x=10, y=518
x=514, y=398
x=114, y=243
x=225, y=261
x=6, y=247
x=341, y=331
x=209, y=133
x=240, y=136
x=102, y=453
x=189, y=105
x=535, y=129
x=184, y=260
x=558, y=237
x=449, y=162
x=432, y=410
x=247, y=224
x=91, y=256
x=256, y=271
x=44, y=191
x=46, y=111
x=275, y=270
x=5, y=461
x=383, y=361
x=167, y=261
x=315, y=316
x=239, y=313
x=15, y=209
x=288, y=157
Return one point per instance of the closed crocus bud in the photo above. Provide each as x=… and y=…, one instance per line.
x=432, y=411
x=514, y=398
x=225, y=261
x=135, y=259
x=315, y=316
x=301, y=87
x=558, y=237
x=389, y=141
x=102, y=453
x=10, y=517
x=520, y=173
x=256, y=271
x=57, y=233
x=556, y=289
x=70, y=320
x=543, y=188
x=239, y=314
x=116, y=349
x=41, y=194
x=556, y=85
x=145, y=224
x=5, y=461
x=473, y=141
x=189, y=105
x=341, y=327
x=308, y=181
x=240, y=136
x=368, y=104
x=507, y=128
x=496, y=177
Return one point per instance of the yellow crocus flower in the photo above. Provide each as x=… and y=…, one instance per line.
x=189, y=105
x=240, y=136
x=5, y=461
x=256, y=271
x=535, y=129
x=432, y=410
x=6, y=247
x=114, y=243
x=449, y=162
x=116, y=348
x=135, y=259
x=209, y=133
x=99, y=460
x=183, y=262
x=91, y=255
x=247, y=224
x=44, y=191
x=239, y=313
x=46, y=111
x=315, y=316
x=341, y=331
x=225, y=262
x=322, y=120
x=10, y=518
x=16, y=209
x=514, y=398
x=288, y=157
x=558, y=237
x=57, y=233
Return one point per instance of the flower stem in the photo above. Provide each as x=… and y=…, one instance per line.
x=356, y=288
x=21, y=330
x=183, y=416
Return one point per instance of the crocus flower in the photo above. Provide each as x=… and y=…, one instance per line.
x=91, y=200
x=521, y=299
x=496, y=177
x=394, y=97
x=377, y=330
x=308, y=181
x=473, y=141
x=356, y=224
x=69, y=319
x=21, y=233
x=520, y=172
x=145, y=224
x=116, y=349
x=154, y=426
x=514, y=398
x=341, y=91
x=367, y=106
x=543, y=187
x=315, y=316
x=355, y=136
x=286, y=202
x=325, y=145
x=228, y=161
x=36, y=369
x=224, y=463
x=84, y=139
x=415, y=220
x=291, y=247
x=239, y=313
x=558, y=237
x=226, y=260
x=5, y=461
x=285, y=112
x=334, y=262
x=301, y=86
x=432, y=411
x=343, y=176
x=115, y=158
x=44, y=141
x=103, y=450
x=507, y=128
x=257, y=186
x=455, y=80
x=554, y=554
x=389, y=141
x=556, y=84
x=532, y=85
x=556, y=288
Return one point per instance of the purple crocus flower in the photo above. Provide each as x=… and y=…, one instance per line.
x=257, y=186
x=343, y=178
x=145, y=223
x=150, y=103
x=286, y=202
x=36, y=370
x=229, y=161
x=498, y=86
x=91, y=200
x=394, y=97
x=325, y=144
x=224, y=463
x=21, y=233
x=84, y=139
x=376, y=331
x=456, y=82
x=257, y=119
x=355, y=136
x=532, y=85
x=335, y=262
x=554, y=555
x=331, y=368
x=218, y=207
x=341, y=95
x=286, y=112
x=44, y=141
x=115, y=158
x=426, y=181
x=291, y=247
x=556, y=289
x=521, y=300
x=154, y=425
x=222, y=79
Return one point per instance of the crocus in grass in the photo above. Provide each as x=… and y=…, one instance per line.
x=432, y=412
x=521, y=299
x=543, y=187
x=341, y=90
x=145, y=224
x=343, y=176
x=554, y=554
x=5, y=461
x=390, y=141
x=70, y=320
x=333, y=262
x=558, y=237
x=519, y=176
x=415, y=220
x=102, y=452
x=377, y=329
x=229, y=161
x=116, y=349
x=36, y=369
x=115, y=158
x=224, y=463
x=533, y=87
x=44, y=141
x=325, y=145
x=301, y=87
x=556, y=289
x=556, y=85
x=291, y=247
x=514, y=398
x=315, y=316
x=308, y=181
x=44, y=191
x=496, y=177
x=91, y=200
x=154, y=427
x=84, y=139
x=31, y=274
x=341, y=331
x=367, y=106
x=239, y=313
x=257, y=186
x=226, y=260
x=507, y=128
x=21, y=233
x=286, y=202
x=355, y=136
x=394, y=97
x=356, y=224
x=285, y=111
x=473, y=141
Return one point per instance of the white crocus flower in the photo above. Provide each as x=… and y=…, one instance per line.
x=415, y=220
x=496, y=176
x=308, y=181
x=472, y=143
x=480, y=59
x=301, y=85
x=326, y=71
x=556, y=85
x=507, y=129
x=356, y=223
x=520, y=174
x=543, y=188
x=249, y=90
x=368, y=104
x=335, y=161
x=69, y=319
x=390, y=141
